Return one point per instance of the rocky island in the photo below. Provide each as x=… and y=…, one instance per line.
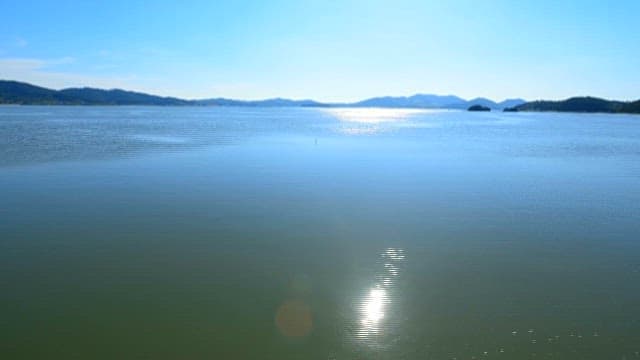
x=478, y=108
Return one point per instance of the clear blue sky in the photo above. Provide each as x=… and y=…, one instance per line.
x=327, y=50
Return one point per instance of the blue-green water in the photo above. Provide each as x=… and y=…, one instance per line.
x=241, y=233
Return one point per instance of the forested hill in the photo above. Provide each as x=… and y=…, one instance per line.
x=581, y=104
x=14, y=92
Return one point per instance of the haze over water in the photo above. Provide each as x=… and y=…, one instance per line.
x=293, y=233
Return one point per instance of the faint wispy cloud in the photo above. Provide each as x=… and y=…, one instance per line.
x=8, y=65
x=18, y=64
x=21, y=42
x=60, y=61
x=231, y=89
x=43, y=72
x=65, y=72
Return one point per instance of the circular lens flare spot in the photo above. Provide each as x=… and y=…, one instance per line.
x=294, y=319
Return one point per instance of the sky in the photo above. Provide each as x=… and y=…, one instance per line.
x=327, y=50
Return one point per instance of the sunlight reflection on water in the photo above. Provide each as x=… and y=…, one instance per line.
x=371, y=121
x=374, y=115
x=379, y=297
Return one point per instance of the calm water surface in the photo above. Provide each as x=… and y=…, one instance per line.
x=239, y=233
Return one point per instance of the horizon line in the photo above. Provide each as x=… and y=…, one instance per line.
x=302, y=99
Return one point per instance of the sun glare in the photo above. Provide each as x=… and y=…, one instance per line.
x=373, y=307
x=373, y=115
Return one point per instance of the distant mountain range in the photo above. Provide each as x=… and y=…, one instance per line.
x=277, y=102
x=14, y=92
x=433, y=101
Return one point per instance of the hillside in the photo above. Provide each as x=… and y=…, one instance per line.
x=581, y=104
x=632, y=107
x=92, y=96
x=13, y=92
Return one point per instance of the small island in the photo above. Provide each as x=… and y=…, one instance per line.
x=478, y=108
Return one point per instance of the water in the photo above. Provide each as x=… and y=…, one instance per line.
x=189, y=233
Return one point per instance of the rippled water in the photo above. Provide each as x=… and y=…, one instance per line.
x=189, y=233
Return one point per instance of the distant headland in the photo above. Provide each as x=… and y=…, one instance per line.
x=21, y=93
x=580, y=104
